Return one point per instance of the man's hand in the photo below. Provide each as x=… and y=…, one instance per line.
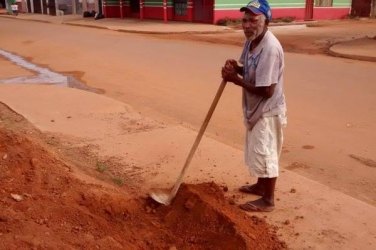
x=229, y=72
x=235, y=65
x=231, y=62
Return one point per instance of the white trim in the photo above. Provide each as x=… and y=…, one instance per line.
x=303, y=7
x=56, y=7
x=273, y=8
x=349, y=7
x=271, y=5
x=32, y=6
x=152, y=6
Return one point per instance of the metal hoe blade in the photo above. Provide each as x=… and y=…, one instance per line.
x=160, y=197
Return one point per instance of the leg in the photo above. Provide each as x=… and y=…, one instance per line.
x=256, y=189
x=266, y=202
x=268, y=197
x=263, y=160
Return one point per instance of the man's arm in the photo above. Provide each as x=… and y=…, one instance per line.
x=230, y=74
x=265, y=92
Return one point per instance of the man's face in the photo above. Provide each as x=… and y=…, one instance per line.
x=253, y=25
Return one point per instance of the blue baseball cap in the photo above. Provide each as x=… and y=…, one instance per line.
x=258, y=7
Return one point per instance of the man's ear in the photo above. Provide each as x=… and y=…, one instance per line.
x=267, y=22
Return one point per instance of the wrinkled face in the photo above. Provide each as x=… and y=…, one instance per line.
x=253, y=25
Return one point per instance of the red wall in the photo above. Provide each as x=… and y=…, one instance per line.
x=149, y=13
x=111, y=11
x=298, y=13
x=276, y=13
x=157, y=13
x=330, y=13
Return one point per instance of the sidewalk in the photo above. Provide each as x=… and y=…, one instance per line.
x=131, y=25
x=358, y=49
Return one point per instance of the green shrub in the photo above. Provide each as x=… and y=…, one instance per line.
x=285, y=19
x=118, y=181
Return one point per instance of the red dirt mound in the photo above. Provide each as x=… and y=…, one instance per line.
x=201, y=216
x=46, y=203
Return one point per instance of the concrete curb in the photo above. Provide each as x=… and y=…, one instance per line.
x=33, y=20
x=149, y=32
x=84, y=25
x=72, y=23
x=337, y=52
x=350, y=56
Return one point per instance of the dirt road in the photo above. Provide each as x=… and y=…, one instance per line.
x=315, y=39
x=177, y=79
x=174, y=81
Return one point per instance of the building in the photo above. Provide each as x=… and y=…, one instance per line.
x=210, y=11
x=60, y=7
x=203, y=11
x=363, y=8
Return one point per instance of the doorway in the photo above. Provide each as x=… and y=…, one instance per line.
x=44, y=4
x=28, y=6
x=180, y=10
x=52, y=7
x=135, y=8
x=361, y=8
x=203, y=11
x=37, y=6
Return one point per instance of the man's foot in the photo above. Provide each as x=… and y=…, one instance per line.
x=257, y=206
x=252, y=189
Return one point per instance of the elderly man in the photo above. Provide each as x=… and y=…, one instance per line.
x=261, y=78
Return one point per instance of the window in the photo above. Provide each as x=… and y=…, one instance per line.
x=180, y=7
x=135, y=6
x=323, y=3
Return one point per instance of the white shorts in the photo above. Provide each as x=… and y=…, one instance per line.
x=263, y=145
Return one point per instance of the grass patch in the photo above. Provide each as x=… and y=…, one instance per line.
x=101, y=167
x=118, y=181
x=229, y=21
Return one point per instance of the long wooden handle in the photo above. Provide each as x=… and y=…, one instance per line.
x=198, y=139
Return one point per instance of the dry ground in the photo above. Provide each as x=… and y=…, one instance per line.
x=75, y=197
x=54, y=197
x=316, y=39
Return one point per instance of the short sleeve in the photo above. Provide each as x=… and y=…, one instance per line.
x=269, y=67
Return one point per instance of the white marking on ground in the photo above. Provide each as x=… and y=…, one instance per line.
x=44, y=75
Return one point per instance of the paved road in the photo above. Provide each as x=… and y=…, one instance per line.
x=330, y=100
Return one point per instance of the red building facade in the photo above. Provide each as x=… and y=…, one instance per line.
x=210, y=11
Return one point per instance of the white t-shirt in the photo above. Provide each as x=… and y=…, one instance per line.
x=263, y=67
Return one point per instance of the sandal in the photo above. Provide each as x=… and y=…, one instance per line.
x=251, y=189
x=250, y=206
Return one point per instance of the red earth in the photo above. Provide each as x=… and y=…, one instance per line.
x=48, y=202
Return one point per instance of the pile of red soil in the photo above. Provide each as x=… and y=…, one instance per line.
x=201, y=216
x=46, y=203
